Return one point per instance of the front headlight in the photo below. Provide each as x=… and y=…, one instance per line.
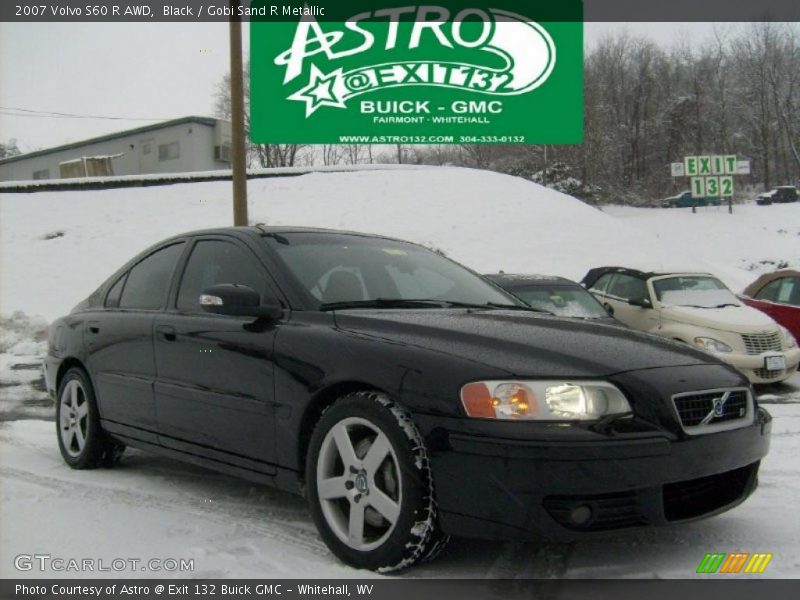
x=791, y=342
x=543, y=400
x=712, y=345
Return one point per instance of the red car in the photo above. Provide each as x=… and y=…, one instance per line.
x=778, y=295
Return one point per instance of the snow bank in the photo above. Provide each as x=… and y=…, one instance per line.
x=485, y=220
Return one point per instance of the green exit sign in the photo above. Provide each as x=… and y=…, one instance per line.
x=710, y=165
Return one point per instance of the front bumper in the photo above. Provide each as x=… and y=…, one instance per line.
x=753, y=365
x=499, y=488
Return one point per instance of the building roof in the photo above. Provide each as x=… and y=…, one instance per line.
x=111, y=136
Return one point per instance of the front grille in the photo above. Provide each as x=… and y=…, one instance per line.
x=767, y=374
x=758, y=343
x=607, y=511
x=695, y=408
x=697, y=497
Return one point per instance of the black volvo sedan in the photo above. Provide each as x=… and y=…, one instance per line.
x=408, y=398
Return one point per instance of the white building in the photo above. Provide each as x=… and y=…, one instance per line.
x=178, y=146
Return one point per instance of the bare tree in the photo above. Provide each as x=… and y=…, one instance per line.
x=265, y=155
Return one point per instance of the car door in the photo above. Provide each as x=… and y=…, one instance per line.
x=600, y=288
x=621, y=290
x=780, y=299
x=214, y=388
x=119, y=343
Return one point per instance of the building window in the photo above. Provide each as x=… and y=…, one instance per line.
x=147, y=148
x=42, y=174
x=169, y=151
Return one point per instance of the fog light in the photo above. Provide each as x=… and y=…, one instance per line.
x=580, y=515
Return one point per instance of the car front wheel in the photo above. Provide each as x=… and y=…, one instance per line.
x=369, y=485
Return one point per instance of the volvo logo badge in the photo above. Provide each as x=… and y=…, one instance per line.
x=361, y=483
x=718, y=408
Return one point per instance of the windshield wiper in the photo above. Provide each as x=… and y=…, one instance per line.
x=726, y=304
x=385, y=303
x=520, y=307
x=421, y=303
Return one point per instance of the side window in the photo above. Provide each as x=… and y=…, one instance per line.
x=213, y=262
x=627, y=287
x=113, y=295
x=770, y=291
x=148, y=281
x=602, y=283
x=790, y=291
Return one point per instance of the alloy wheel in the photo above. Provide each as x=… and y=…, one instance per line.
x=358, y=483
x=74, y=418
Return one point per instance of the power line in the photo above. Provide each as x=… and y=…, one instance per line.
x=44, y=114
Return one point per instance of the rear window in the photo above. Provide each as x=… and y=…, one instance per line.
x=564, y=301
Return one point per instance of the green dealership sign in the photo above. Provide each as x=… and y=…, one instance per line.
x=453, y=72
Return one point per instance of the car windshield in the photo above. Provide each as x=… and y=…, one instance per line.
x=699, y=291
x=561, y=300
x=342, y=271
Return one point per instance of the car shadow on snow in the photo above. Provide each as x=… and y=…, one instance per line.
x=271, y=510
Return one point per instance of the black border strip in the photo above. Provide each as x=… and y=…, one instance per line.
x=620, y=11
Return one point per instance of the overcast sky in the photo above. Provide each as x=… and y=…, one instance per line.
x=144, y=72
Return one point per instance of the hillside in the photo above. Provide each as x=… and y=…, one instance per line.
x=485, y=220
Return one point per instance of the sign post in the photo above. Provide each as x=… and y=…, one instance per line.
x=711, y=176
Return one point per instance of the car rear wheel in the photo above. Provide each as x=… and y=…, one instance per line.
x=81, y=440
x=369, y=485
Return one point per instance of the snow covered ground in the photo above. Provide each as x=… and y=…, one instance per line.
x=152, y=507
x=56, y=247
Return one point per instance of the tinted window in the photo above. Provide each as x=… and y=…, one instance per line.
x=789, y=292
x=148, y=281
x=627, y=287
x=602, y=283
x=770, y=291
x=112, y=298
x=213, y=262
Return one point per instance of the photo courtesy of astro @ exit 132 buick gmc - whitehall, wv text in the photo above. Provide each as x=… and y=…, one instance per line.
x=405, y=396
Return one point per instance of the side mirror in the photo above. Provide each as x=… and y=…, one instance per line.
x=640, y=302
x=238, y=300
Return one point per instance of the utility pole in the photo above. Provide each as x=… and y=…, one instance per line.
x=238, y=166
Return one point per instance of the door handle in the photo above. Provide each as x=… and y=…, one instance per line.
x=166, y=333
x=93, y=326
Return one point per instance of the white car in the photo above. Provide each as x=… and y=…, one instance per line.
x=697, y=309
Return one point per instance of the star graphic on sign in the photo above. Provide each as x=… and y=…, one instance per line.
x=322, y=90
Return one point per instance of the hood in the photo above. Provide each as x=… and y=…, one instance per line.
x=522, y=344
x=735, y=319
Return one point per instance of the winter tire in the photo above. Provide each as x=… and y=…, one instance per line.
x=369, y=485
x=83, y=443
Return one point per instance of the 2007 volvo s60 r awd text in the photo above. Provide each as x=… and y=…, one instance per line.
x=408, y=398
